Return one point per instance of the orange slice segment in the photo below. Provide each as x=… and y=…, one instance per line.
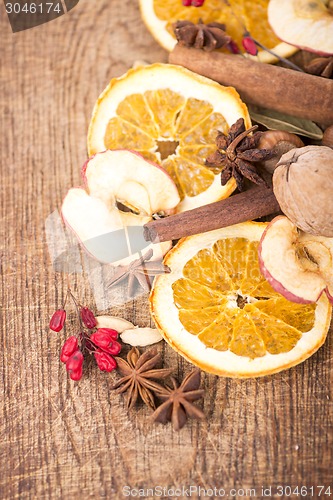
x=217, y=310
x=237, y=15
x=190, y=295
x=171, y=116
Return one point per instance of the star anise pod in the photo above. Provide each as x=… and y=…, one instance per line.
x=208, y=36
x=140, y=270
x=236, y=154
x=178, y=401
x=139, y=375
x=321, y=66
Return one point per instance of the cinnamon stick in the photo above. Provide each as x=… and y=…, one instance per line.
x=292, y=92
x=252, y=204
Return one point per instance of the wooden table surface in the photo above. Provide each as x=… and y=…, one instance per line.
x=61, y=439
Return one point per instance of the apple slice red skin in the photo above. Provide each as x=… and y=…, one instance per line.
x=169, y=211
x=278, y=287
x=329, y=296
x=307, y=49
x=319, y=52
x=85, y=165
x=85, y=187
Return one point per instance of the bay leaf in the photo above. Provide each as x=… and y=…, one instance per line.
x=275, y=120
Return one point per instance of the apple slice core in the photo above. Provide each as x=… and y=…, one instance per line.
x=306, y=24
x=282, y=266
x=114, y=178
x=320, y=250
x=109, y=174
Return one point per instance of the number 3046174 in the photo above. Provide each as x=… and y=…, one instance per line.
x=33, y=8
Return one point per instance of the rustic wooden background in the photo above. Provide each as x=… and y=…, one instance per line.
x=61, y=439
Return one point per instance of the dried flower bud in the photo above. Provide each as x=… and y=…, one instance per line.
x=104, y=361
x=69, y=347
x=208, y=37
x=249, y=45
x=88, y=317
x=74, y=365
x=58, y=320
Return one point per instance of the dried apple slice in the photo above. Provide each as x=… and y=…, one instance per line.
x=320, y=250
x=306, y=24
x=240, y=330
x=122, y=192
x=297, y=265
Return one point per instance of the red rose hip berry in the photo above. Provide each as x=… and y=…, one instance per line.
x=193, y=3
x=103, y=337
x=104, y=361
x=233, y=47
x=88, y=317
x=69, y=347
x=113, y=349
x=58, y=320
x=74, y=365
x=76, y=374
x=249, y=45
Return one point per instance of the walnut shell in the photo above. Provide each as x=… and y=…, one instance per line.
x=303, y=186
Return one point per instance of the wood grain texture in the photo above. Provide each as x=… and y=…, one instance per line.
x=65, y=440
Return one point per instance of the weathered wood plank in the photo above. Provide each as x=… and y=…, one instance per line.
x=65, y=440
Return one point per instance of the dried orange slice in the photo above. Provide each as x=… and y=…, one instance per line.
x=159, y=15
x=171, y=116
x=216, y=309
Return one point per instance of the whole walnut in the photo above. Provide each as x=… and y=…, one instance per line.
x=303, y=186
